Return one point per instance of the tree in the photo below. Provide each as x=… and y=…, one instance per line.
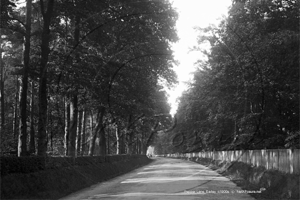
x=11, y=41
x=22, y=149
x=2, y=93
x=47, y=12
x=236, y=99
x=108, y=58
x=32, y=128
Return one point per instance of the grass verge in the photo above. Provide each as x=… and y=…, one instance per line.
x=275, y=185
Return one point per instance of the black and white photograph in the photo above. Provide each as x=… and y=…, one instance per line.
x=150, y=99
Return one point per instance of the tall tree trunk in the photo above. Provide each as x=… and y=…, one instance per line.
x=138, y=146
x=118, y=140
x=16, y=113
x=102, y=140
x=122, y=144
x=91, y=135
x=74, y=101
x=32, y=131
x=130, y=142
x=108, y=141
x=79, y=129
x=2, y=93
x=97, y=129
x=22, y=144
x=128, y=135
x=83, y=136
x=67, y=125
x=45, y=50
x=49, y=128
x=73, y=126
x=134, y=146
x=143, y=148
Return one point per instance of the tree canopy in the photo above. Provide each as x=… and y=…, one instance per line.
x=88, y=57
x=246, y=94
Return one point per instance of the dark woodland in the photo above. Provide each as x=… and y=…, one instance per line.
x=84, y=78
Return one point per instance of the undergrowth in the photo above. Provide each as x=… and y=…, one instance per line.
x=275, y=185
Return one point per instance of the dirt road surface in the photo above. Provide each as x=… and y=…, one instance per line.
x=166, y=178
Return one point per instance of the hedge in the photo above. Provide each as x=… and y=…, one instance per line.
x=60, y=181
x=24, y=165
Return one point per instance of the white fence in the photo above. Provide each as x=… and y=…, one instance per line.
x=285, y=160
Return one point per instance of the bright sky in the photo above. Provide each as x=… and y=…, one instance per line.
x=192, y=13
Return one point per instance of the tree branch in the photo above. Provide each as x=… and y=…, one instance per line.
x=153, y=129
x=18, y=20
x=122, y=66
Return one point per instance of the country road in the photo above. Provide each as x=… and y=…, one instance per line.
x=166, y=178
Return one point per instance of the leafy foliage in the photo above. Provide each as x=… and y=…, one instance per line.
x=246, y=95
x=109, y=54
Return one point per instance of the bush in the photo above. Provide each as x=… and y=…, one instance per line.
x=58, y=182
x=275, y=184
x=25, y=165
x=21, y=164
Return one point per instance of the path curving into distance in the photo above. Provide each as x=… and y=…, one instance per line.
x=166, y=178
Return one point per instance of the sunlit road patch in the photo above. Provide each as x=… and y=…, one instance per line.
x=181, y=171
x=140, y=194
x=170, y=166
x=172, y=179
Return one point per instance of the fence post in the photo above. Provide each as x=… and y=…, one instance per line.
x=278, y=159
x=290, y=168
x=296, y=160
